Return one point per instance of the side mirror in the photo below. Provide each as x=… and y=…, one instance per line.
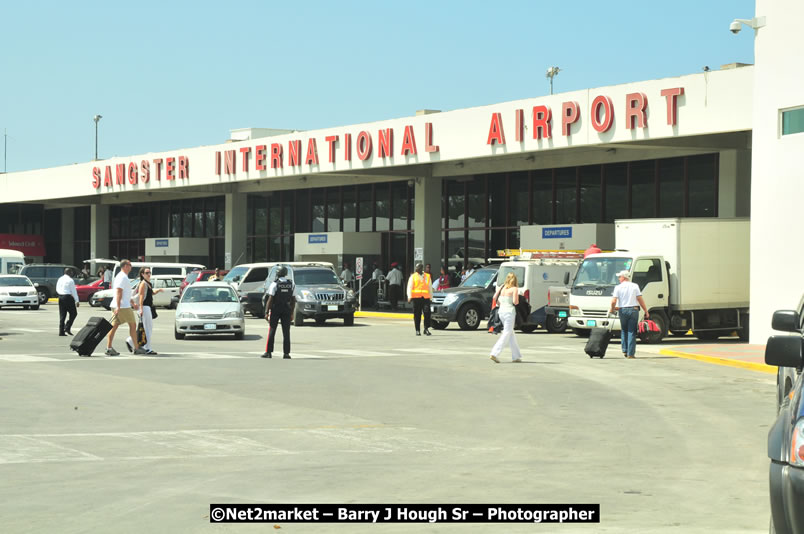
x=36, y=284
x=566, y=278
x=785, y=321
x=784, y=351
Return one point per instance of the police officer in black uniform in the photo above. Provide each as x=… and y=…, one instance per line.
x=280, y=308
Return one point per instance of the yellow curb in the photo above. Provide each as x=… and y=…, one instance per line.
x=387, y=315
x=760, y=367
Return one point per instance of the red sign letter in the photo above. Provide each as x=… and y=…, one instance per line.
x=672, y=103
x=229, y=162
x=132, y=173
x=385, y=143
x=541, y=122
x=145, y=171
x=120, y=174
x=496, y=134
x=158, y=166
x=276, y=156
x=347, y=147
x=569, y=116
x=608, y=112
x=244, y=156
x=170, y=168
x=519, y=132
x=294, y=153
x=363, y=146
x=635, y=104
x=331, y=140
x=409, y=142
x=184, y=167
x=96, y=179
x=107, y=178
x=217, y=163
x=428, y=138
x=312, y=152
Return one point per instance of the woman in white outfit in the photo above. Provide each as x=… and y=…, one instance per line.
x=145, y=295
x=507, y=298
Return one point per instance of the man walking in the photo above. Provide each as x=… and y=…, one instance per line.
x=630, y=300
x=123, y=313
x=279, y=307
x=68, y=301
x=420, y=292
x=347, y=276
x=394, y=285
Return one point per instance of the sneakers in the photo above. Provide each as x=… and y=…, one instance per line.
x=427, y=332
x=152, y=353
x=111, y=352
x=266, y=355
x=140, y=351
x=518, y=360
x=286, y=356
x=130, y=348
x=494, y=359
x=418, y=333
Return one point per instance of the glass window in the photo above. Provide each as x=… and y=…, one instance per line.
x=275, y=249
x=399, y=247
x=317, y=209
x=793, y=121
x=221, y=218
x=455, y=204
x=365, y=208
x=497, y=240
x=334, y=209
x=476, y=253
x=543, y=197
x=497, y=203
x=671, y=187
x=566, y=196
x=455, y=248
x=399, y=205
x=591, y=195
x=476, y=200
x=55, y=272
x=274, y=216
x=647, y=271
x=210, y=215
x=260, y=217
x=349, y=210
x=643, y=189
x=187, y=219
x=302, y=211
x=519, y=199
x=616, y=192
x=381, y=192
x=287, y=211
x=260, y=252
x=701, y=180
x=517, y=270
x=256, y=274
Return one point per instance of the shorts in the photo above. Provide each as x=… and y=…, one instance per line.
x=125, y=315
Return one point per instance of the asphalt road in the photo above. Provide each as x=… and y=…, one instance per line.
x=371, y=414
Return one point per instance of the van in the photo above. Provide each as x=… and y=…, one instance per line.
x=45, y=276
x=11, y=261
x=534, y=278
x=157, y=268
x=248, y=277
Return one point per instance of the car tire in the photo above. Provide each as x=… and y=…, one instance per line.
x=528, y=328
x=469, y=317
x=582, y=332
x=35, y=307
x=240, y=335
x=177, y=334
x=349, y=320
x=44, y=295
x=298, y=319
x=439, y=325
x=556, y=325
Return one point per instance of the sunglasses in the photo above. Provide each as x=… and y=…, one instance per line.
x=147, y=272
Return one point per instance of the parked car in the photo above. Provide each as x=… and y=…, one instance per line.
x=208, y=309
x=469, y=303
x=44, y=277
x=198, y=276
x=786, y=436
x=248, y=277
x=168, y=283
x=18, y=290
x=320, y=294
x=86, y=291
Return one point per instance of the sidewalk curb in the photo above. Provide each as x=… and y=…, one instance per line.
x=759, y=367
x=386, y=315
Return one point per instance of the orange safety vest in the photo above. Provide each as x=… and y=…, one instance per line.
x=421, y=286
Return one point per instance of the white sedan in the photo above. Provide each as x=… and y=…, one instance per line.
x=17, y=290
x=209, y=308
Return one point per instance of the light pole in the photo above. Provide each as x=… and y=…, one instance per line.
x=96, y=118
x=551, y=73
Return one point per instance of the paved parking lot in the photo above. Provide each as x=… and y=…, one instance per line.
x=371, y=414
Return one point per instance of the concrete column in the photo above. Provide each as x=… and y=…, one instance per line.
x=235, y=232
x=68, y=237
x=427, y=220
x=734, y=180
x=99, y=231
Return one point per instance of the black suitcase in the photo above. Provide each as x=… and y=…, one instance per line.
x=598, y=342
x=88, y=337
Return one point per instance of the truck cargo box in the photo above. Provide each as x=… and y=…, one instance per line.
x=708, y=257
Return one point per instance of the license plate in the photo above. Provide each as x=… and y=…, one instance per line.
x=591, y=323
x=332, y=308
x=18, y=300
x=562, y=314
x=210, y=326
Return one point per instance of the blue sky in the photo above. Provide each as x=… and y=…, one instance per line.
x=182, y=74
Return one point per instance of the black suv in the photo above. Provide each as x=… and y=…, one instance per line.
x=45, y=275
x=469, y=303
x=786, y=436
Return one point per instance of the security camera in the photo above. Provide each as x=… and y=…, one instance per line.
x=735, y=27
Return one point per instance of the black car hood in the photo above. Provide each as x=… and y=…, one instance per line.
x=460, y=290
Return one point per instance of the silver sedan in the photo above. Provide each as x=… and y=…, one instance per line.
x=208, y=309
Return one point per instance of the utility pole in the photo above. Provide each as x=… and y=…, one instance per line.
x=551, y=73
x=96, y=118
x=5, y=150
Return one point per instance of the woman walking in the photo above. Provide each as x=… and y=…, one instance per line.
x=145, y=295
x=507, y=298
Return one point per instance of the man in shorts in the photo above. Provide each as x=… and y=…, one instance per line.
x=122, y=310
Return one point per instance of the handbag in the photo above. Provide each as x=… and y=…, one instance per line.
x=647, y=326
x=495, y=323
x=142, y=339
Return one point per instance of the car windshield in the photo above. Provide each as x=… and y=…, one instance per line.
x=479, y=278
x=236, y=274
x=313, y=277
x=209, y=294
x=601, y=271
x=190, y=278
x=13, y=281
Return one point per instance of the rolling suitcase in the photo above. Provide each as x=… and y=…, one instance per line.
x=599, y=341
x=88, y=337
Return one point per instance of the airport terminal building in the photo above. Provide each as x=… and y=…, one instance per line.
x=452, y=186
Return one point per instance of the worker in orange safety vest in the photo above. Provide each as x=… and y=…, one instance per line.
x=419, y=293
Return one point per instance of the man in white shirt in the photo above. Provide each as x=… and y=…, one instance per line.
x=68, y=301
x=122, y=311
x=629, y=298
x=347, y=276
x=107, y=277
x=394, y=285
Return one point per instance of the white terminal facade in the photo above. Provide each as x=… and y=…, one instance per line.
x=456, y=186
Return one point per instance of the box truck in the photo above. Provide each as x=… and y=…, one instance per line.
x=693, y=274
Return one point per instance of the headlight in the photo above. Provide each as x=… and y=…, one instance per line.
x=306, y=295
x=797, y=445
x=232, y=315
x=452, y=297
x=31, y=293
x=575, y=310
x=4, y=293
x=185, y=315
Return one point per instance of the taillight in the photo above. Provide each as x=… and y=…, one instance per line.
x=797, y=445
x=527, y=295
x=548, y=297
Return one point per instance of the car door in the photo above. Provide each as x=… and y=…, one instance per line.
x=168, y=287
